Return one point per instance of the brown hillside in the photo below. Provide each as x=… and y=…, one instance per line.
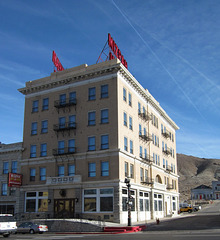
x=194, y=171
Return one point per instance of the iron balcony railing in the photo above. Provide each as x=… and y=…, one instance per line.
x=148, y=181
x=64, y=151
x=170, y=186
x=147, y=158
x=146, y=137
x=166, y=134
x=169, y=168
x=65, y=103
x=145, y=116
x=167, y=151
x=64, y=126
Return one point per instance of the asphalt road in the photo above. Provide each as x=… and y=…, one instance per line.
x=202, y=225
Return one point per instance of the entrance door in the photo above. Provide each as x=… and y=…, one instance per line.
x=64, y=208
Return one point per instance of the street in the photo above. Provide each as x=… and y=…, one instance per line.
x=201, y=225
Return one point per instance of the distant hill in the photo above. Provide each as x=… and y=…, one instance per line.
x=194, y=171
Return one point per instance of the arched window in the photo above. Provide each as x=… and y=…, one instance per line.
x=158, y=179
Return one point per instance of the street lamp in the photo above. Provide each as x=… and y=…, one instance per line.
x=127, y=181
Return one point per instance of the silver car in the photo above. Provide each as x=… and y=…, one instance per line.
x=30, y=227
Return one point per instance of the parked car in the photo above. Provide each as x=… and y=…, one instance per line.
x=186, y=209
x=30, y=227
x=196, y=208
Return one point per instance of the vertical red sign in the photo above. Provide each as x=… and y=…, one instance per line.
x=56, y=62
x=116, y=51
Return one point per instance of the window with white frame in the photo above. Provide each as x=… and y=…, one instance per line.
x=158, y=202
x=131, y=147
x=130, y=99
x=130, y=123
x=125, y=144
x=98, y=200
x=124, y=94
x=125, y=119
x=36, y=201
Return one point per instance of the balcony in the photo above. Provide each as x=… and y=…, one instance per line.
x=64, y=126
x=63, y=180
x=167, y=151
x=65, y=103
x=159, y=186
x=64, y=151
x=170, y=186
x=145, y=116
x=146, y=137
x=147, y=158
x=166, y=134
x=148, y=181
x=168, y=168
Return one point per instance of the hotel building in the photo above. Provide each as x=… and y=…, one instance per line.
x=86, y=130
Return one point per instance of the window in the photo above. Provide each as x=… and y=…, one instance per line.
x=124, y=94
x=45, y=105
x=125, y=144
x=32, y=174
x=141, y=152
x=126, y=169
x=139, y=108
x=98, y=200
x=105, y=169
x=34, y=128
x=104, y=116
x=155, y=121
x=92, y=169
x=5, y=167
x=44, y=126
x=158, y=202
x=61, y=171
x=131, y=146
x=91, y=118
x=43, y=150
x=91, y=144
x=4, y=189
x=14, y=166
x=72, y=121
x=71, y=170
x=146, y=175
x=35, y=106
x=36, y=202
x=63, y=99
x=42, y=174
x=104, y=91
x=104, y=142
x=72, y=97
x=125, y=119
x=71, y=146
x=140, y=130
x=145, y=153
x=61, y=147
x=130, y=99
x=141, y=174
x=33, y=151
x=92, y=94
x=130, y=123
x=62, y=122
x=131, y=171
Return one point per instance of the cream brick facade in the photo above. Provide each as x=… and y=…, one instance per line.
x=80, y=150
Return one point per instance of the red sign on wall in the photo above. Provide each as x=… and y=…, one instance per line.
x=56, y=62
x=116, y=51
x=14, y=180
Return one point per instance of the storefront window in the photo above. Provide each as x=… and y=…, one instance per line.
x=36, y=201
x=90, y=204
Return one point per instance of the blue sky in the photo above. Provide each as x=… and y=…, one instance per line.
x=172, y=48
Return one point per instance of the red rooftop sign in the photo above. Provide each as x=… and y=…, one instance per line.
x=113, y=46
x=56, y=62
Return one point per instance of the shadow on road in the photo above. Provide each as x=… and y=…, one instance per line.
x=188, y=223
